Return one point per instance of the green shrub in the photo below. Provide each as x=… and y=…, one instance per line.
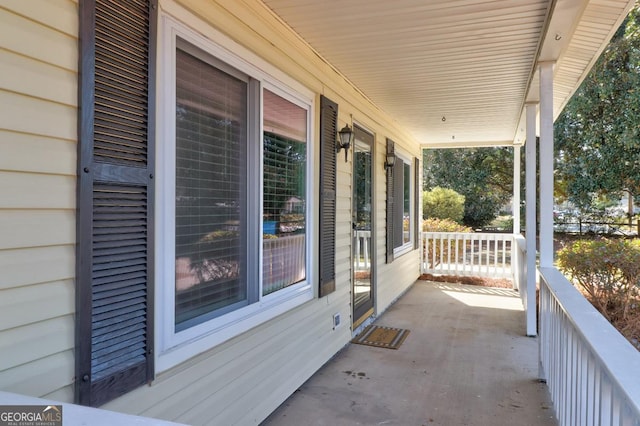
x=608, y=274
x=443, y=225
x=443, y=203
x=502, y=223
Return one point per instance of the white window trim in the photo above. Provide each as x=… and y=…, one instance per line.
x=174, y=348
x=408, y=246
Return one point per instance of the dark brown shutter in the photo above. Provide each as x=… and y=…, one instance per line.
x=390, y=245
x=328, y=134
x=417, y=208
x=114, y=297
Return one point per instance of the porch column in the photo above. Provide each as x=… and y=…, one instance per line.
x=546, y=164
x=516, y=189
x=530, y=217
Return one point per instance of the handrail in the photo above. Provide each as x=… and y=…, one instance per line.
x=590, y=368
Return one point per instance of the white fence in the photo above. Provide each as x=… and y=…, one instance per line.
x=592, y=372
x=475, y=254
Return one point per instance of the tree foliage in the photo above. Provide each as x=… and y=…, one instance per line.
x=598, y=133
x=443, y=203
x=484, y=176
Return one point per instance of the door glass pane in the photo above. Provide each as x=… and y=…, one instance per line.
x=362, y=205
x=284, y=193
x=210, y=240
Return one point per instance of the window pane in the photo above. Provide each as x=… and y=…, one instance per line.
x=211, y=122
x=406, y=214
x=284, y=193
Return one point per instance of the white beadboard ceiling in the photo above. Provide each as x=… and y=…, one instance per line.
x=456, y=72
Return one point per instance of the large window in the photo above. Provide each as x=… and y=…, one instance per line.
x=233, y=166
x=403, y=216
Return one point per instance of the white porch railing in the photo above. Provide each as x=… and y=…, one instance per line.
x=362, y=258
x=591, y=370
x=474, y=254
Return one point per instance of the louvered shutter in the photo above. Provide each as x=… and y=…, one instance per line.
x=328, y=134
x=114, y=333
x=390, y=188
x=417, y=208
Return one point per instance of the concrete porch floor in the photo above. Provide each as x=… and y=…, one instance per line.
x=465, y=362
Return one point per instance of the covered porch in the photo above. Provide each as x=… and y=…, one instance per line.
x=533, y=353
x=466, y=361
x=473, y=74
x=407, y=75
x=471, y=359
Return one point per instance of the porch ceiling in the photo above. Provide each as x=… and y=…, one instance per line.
x=456, y=72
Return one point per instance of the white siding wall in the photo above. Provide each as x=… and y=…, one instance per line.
x=239, y=382
x=38, y=108
x=249, y=376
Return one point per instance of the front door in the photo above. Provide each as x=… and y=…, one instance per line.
x=363, y=277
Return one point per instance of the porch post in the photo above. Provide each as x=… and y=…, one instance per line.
x=530, y=217
x=546, y=164
x=516, y=189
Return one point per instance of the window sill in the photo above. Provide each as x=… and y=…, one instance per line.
x=402, y=250
x=177, y=348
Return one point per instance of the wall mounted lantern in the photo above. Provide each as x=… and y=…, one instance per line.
x=390, y=161
x=344, y=140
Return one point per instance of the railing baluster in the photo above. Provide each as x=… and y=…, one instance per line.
x=449, y=252
x=365, y=251
x=504, y=257
x=441, y=251
x=486, y=254
x=357, y=243
x=464, y=254
x=433, y=254
x=491, y=248
x=473, y=255
x=495, y=254
x=455, y=255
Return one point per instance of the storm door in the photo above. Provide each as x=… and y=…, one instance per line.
x=362, y=247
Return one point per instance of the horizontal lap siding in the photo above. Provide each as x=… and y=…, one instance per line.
x=243, y=380
x=38, y=109
x=396, y=277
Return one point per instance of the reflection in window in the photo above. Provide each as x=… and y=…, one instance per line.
x=406, y=213
x=211, y=122
x=284, y=193
x=402, y=212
